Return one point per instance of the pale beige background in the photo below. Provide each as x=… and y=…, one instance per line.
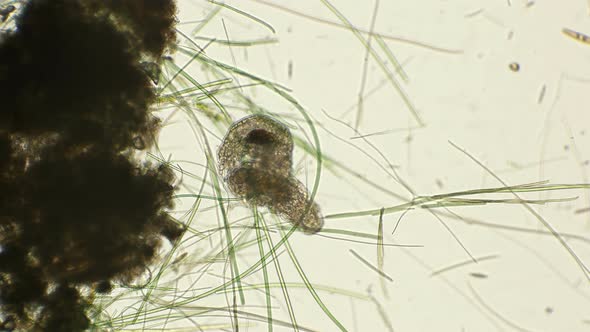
x=471, y=98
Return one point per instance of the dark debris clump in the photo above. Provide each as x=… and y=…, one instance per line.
x=78, y=211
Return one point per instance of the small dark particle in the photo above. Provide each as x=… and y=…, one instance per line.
x=549, y=310
x=104, y=287
x=542, y=94
x=514, y=66
x=478, y=275
x=179, y=258
x=474, y=13
x=290, y=69
x=578, y=36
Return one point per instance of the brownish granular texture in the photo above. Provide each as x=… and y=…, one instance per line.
x=255, y=160
x=76, y=208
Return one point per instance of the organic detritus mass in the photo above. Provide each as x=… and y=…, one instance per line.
x=79, y=211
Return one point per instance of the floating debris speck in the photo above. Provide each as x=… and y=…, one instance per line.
x=576, y=35
x=5, y=12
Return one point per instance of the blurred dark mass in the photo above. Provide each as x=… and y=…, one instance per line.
x=78, y=210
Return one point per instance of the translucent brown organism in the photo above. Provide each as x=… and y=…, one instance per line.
x=255, y=161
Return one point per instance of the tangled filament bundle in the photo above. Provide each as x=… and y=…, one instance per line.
x=255, y=161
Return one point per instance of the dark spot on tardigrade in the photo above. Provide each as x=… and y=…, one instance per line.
x=260, y=137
